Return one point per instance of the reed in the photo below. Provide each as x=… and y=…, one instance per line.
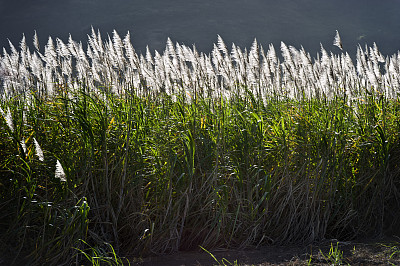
x=150, y=154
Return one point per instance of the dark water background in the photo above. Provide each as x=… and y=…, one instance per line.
x=150, y=22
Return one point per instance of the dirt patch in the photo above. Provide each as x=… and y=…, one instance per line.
x=363, y=252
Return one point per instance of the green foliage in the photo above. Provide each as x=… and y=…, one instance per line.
x=223, y=261
x=102, y=255
x=335, y=255
x=161, y=175
x=392, y=251
x=108, y=152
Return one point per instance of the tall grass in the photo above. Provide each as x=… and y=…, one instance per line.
x=153, y=154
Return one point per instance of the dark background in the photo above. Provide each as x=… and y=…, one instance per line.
x=150, y=22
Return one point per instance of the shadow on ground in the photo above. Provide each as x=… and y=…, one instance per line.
x=364, y=252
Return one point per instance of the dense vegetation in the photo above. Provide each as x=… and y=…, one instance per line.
x=110, y=152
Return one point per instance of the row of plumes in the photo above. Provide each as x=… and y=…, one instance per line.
x=114, y=64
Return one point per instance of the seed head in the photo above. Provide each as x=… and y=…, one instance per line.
x=39, y=151
x=338, y=42
x=60, y=172
x=23, y=145
x=8, y=117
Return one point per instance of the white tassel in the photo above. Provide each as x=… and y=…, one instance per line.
x=39, y=151
x=337, y=41
x=36, y=41
x=60, y=174
x=23, y=145
x=8, y=117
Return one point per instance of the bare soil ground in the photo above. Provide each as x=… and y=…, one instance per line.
x=364, y=252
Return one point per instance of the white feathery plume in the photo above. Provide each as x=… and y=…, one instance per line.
x=94, y=73
x=271, y=54
x=22, y=44
x=305, y=57
x=179, y=53
x=2, y=69
x=24, y=116
x=167, y=63
x=110, y=51
x=95, y=42
x=254, y=56
x=72, y=46
x=337, y=41
x=254, y=62
x=195, y=52
x=209, y=66
x=90, y=53
x=82, y=64
x=238, y=57
x=149, y=57
x=36, y=41
x=349, y=62
x=221, y=46
x=325, y=61
x=92, y=46
x=295, y=54
x=189, y=55
x=62, y=48
x=286, y=54
x=117, y=41
x=118, y=46
x=36, y=65
x=49, y=81
x=394, y=68
x=39, y=151
x=375, y=58
x=307, y=65
x=266, y=67
x=360, y=61
x=23, y=145
x=159, y=62
x=234, y=54
x=398, y=57
x=81, y=54
x=130, y=51
x=14, y=58
x=366, y=49
x=60, y=174
x=170, y=50
x=100, y=42
x=378, y=54
x=372, y=75
x=217, y=58
x=335, y=63
x=50, y=53
x=120, y=66
x=236, y=60
x=24, y=51
x=8, y=117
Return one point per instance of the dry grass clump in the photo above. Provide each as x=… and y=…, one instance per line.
x=153, y=154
